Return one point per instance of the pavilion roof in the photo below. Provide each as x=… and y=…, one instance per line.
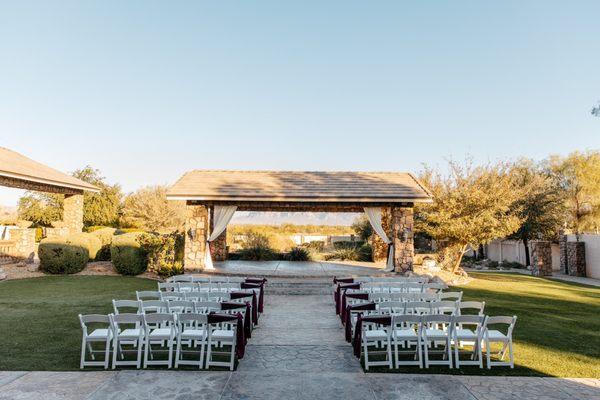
x=299, y=186
x=27, y=173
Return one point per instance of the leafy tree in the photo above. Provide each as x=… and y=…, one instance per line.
x=362, y=227
x=99, y=208
x=578, y=174
x=148, y=208
x=41, y=208
x=540, y=208
x=472, y=206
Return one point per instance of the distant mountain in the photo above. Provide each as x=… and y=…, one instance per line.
x=297, y=218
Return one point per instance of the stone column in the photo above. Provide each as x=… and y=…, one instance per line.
x=379, y=248
x=73, y=213
x=196, y=233
x=576, y=258
x=562, y=246
x=218, y=247
x=541, y=258
x=24, y=239
x=403, y=237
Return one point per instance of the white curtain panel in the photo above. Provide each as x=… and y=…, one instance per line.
x=374, y=216
x=222, y=215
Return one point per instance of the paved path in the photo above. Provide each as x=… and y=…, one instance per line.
x=298, y=352
x=298, y=268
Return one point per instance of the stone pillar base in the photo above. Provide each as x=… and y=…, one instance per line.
x=541, y=258
x=403, y=237
x=196, y=231
x=576, y=258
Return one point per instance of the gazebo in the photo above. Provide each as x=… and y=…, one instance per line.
x=212, y=196
x=18, y=171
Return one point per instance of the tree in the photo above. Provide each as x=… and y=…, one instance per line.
x=471, y=206
x=578, y=174
x=362, y=227
x=540, y=208
x=149, y=209
x=99, y=208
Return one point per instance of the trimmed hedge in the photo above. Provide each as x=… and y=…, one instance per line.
x=63, y=255
x=93, y=244
x=127, y=254
x=106, y=236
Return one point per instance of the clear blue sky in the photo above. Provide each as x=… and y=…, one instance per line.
x=146, y=90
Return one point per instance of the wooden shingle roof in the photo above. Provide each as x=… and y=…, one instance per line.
x=299, y=186
x=19, y=168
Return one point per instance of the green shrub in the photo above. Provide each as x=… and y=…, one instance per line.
x=345, y=245
x=63, y=255
x=512, y=264
x=122, y=231
x=169, y=270
x=366, y=252
x=316, y=246
x=127, y=254
x=258, y=253
x=493, y=265
x=39, y=234
x=92, y=243
x=299, y=254
x=105, y=235
x=362, y=252
x=161, y=250
x=95, y=228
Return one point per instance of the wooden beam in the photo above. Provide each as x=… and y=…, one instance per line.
x=35, y=186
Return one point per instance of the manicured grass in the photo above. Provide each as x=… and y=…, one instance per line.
x=39, y=327
x=558, y=325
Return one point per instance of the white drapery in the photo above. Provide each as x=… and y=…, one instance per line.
x=221, y=215
x=374, y=216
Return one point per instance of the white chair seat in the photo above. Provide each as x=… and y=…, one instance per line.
x=160, y=333
x=465, y=334
x=220, y=334
x=375, y=335
x=193, y=334
x=98, y=334
x=405, y=333
x=435, y=333
x=130, y=334
x=497, y=335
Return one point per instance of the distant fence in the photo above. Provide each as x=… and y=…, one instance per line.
x=514, y=251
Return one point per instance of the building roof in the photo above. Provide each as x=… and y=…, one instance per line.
x=18, y=167
x=300, y=186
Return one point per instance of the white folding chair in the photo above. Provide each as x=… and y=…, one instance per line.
x=147, y=295
x=495, y=336
x=191, y=332
x=468, y=329
x=454, y=296
x=417, y=307
x=159, y=328
x=127, y=329
x=373, y=335
x=167, y=286
x=154, y=306
x=444, y=307
x=221, y=334
x=180, y=306
x=413, y=287
x=406, y=332
x=470, y=308
x=196, y=296
x=181, y=278
x=186, y=287
x=391, y=307
x=205, y=307
x=103, y=334
x=126, y=306
x=437, y=328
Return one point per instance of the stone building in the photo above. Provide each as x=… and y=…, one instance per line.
x=295, y=191
x=18, y=171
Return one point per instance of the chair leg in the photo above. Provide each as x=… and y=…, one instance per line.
x=366, y=355
x=177, y=352
x=115, y=351
x=487, y=351
x=202, y=349
x=389, y=353
x=479, y=353
x=89, y=346
x=106, y=353
x=426, y=353
x=511, y=354
x=82, y=361
x=456, y=354
x=140, y=343
x=449, y=351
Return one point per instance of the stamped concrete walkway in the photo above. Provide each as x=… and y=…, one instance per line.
x=298, y=352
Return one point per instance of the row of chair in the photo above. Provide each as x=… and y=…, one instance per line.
x=191, y=296
x=405, y=279
x=418, y=337
x=457, y=296
x=206, y=279
x=401, y=287
x=167, y=306
x=199, y=286
x=189, y=333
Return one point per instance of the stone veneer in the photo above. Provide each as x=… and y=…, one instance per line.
x=24, y=243
x=218, y=247
x=576, y=258
x=562, y=247
x=403, y=237
x=73, y=213
x=196, y=231
x=379, y=247
x=541, y=258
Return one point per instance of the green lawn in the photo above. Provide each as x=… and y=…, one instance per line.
x=557, y=333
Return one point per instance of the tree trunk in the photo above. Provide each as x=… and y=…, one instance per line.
x=527, y=259
x=459, y=259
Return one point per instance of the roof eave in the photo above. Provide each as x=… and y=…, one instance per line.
x=86, y=188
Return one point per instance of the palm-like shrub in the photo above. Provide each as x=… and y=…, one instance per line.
x=299, y=254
